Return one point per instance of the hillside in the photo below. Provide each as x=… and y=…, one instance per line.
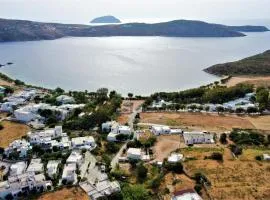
x=106, y=19
x=21, y=30
x=254, y=65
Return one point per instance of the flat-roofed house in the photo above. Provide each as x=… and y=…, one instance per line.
x=69, y=173
x=87, y=142
x=134, y=153
x=17, y=168
x=198, y=138
x=188, y=194
x=18, y=146
x=35, y=166
x=52, y=168
x=24, y=184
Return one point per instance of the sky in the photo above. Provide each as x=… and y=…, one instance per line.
x=82, y=11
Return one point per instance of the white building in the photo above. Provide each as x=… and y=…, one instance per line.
x=75, y=157
x=101, y=189
x=69, y=173
x=20, y=146
x=39, y=136
x=64, y=99
x=107, y=126
x=266, y=156
x=111, y=137
x=35, y=166
x=87, y=142
x=17, y=168
x=198, y=138
x=24, y=184
x=8, y=106
x=160, y=130
x=188, y=194
x=52, y=168
x=175, y=157
x=134, y=154
x=2, y=90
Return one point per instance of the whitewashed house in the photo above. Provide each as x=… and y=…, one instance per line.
x=18, y=168
x=175, y=157
x=101, y=189
x=2, y=90
x=20, y=146
x=266, y=157
x=38, y=137
x=87, y=142
x=107, y=126
x=134, y=154
x=35, y=166
x=111, y=137
x=24, y=184
x=198, y=138
x=52, y=168
x=69, y=173
x=8, y=106
x=188, y=194
x=160, y=130
x=64, y=99
x=75, y=157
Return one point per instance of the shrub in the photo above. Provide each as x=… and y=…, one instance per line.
x=1, y=126
x=223, y=138
x=198, y=188
x=174, y=167
x=236, y=150
x=217, y=156
x=259, y=158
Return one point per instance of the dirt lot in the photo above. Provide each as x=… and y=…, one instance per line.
x=261, y=122
x=74, y=193
x=257, y=81
x=244, y=178
x=11, y=132
x=165, y=145
x=200, y=121
x=126, y=108
x=128, y=105
x=123, y=119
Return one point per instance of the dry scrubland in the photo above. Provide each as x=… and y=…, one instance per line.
x=11, y=132
x=257, y=81
x=243, y=178
x=210, y=122
x=74, y=193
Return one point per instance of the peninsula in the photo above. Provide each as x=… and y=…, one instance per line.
x=21, y=30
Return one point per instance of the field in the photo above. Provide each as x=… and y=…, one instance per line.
x=255, y=80
x=123, y=119
x=74, y=193
x=11, y=132
x=199, y=121
x=243, y=178
x=165, y=145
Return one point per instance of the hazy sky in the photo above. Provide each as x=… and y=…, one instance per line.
x=81, y=11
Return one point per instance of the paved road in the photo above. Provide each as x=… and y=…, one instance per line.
x=131, y=119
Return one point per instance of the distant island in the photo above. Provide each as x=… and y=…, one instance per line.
x=21, y=30
x=109, y=19
x=254, y=65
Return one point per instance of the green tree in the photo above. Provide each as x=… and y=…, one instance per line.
x=135, y=192
x=262, y=97
x=141, y=172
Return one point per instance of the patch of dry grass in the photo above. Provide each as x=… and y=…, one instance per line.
x=165, y=145
x=74, y=193
x=11, y=132
x=198, y=121
x=243, y=178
